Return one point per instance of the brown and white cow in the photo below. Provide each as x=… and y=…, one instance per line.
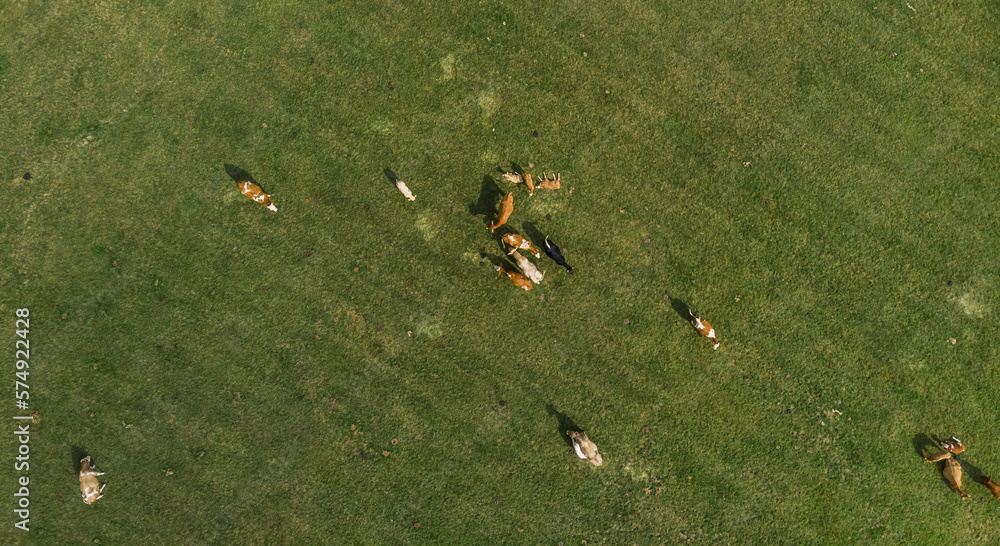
x=518, y=279
x=705, y=329
x=254, y=192
x=91, y=488
x=585, y=449
x=953, y=445
x=519, y=243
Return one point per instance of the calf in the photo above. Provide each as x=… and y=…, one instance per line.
x=406, y=191
x=585, y=449
x=518, y=279
x=503, y=213
x=529, y=268
x=519, y=243
x=553, y=252
x=705, y=329
x=254, y=192
x=91, y=488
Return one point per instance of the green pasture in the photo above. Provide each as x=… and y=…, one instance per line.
x=816, y=179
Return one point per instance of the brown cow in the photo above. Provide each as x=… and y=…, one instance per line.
x=506, y=207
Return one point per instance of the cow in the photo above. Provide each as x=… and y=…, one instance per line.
x=529, y=268
x=506, y=207
x=705, y=329
x=91, y=488
x=553, y=252
x=994, y=488
x=953, y=445
x=518, y=279
x=519, y=178
x=550, y=183
x=953, y=474
x=406, y=191
x=254, y=192
x=519, y=243
x=585, y=449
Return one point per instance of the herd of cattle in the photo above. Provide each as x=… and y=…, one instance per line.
x=529, y=275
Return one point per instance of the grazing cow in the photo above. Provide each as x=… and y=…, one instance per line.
x=406, y=191
x=529, y=268
x=519, y=178
x=585, y=449
x=518, y=279
x=705, y=329
x=506, y=207
x=994, y=488
x=553, y=252
x=953, y=445
x=550, y=184
x=519, y=243
x=953, y=474
x=254, y=192
x=91, y=488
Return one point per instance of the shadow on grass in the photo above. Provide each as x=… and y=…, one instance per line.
x=682, y=309
x=489, y=196
x=77, y=453
x=238, y=174
x=972, y=470
x=536, y=237
x=495, y=260
x=514, y=168
x=565, y=424
x=391, y=176
x=921, y=441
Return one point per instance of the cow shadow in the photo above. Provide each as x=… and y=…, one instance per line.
x=514, y=168
x=77, y=453
x=682, y=309
x=391, y=176
x=973, y=471
x=489, y=196
x=921, y=441
x=238, y=174
x=495, y=260
x=565, y=424
x=536, y=237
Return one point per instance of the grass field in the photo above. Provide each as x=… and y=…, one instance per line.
x=818, y=180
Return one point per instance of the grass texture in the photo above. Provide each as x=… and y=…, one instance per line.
x=818, y=180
